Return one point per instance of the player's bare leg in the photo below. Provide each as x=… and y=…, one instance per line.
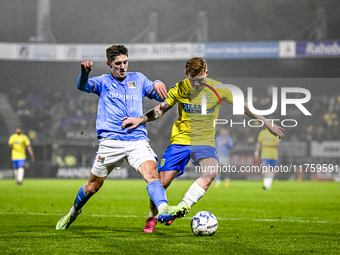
x=148, y=171
x=207, y=177
x=202, y=184
x=94, y=183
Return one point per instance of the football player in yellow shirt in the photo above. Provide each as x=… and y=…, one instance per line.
x=193, y=134
x=269, y=155
x=18, y=142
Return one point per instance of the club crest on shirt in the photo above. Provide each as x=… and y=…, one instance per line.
x=100, y=159
x=162, y=162
x=132, y=84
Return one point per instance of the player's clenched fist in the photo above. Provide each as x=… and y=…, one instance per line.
x=86, y=66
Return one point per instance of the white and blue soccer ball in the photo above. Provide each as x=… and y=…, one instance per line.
x=204, y=223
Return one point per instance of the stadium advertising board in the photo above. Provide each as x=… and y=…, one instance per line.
x=242, y=50
x=94, y=52
x=160, y=51
x=293, y=149
x=84, y=173
x=318, y=49
x=171, y=51
x=325, y=149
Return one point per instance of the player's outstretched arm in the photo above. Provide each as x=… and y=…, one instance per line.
x=274, y=129
x=151, y=115
x=83, y=79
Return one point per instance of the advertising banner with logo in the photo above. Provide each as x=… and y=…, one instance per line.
x=318, y=49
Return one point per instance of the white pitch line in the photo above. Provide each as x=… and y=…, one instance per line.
x=136, y=216
x=278, y=220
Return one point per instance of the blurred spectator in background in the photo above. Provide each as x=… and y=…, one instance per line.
x=223, y=144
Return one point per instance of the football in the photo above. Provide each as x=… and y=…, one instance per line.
x=204, y=223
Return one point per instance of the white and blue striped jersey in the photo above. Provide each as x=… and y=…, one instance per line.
x=118, y=100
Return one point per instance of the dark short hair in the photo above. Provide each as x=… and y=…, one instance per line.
x=115, y=50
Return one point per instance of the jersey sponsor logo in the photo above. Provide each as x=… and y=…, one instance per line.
x=132, y=84
x=122, y=97
x=194, y=108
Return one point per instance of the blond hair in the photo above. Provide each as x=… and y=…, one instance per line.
x=195, y=66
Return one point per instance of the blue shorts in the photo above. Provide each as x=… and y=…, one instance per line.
x=177, y=156
x=269, y=162
x=19, y=163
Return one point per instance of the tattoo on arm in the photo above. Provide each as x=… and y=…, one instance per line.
x=157, y=111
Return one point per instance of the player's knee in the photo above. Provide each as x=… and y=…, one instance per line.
x=148, y=171
x=210, y=175
x=93, y=187
x=165, y=184
x=151, y=175
x=207, y=181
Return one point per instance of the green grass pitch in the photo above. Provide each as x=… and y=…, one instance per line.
x=292, y=218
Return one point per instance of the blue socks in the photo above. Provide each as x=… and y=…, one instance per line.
x=157, y=193
x=155, y=189
x=81, y=199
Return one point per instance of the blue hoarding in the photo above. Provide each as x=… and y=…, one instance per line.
x=242, y=50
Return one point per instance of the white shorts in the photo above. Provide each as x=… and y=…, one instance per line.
x=111, y=153
x=224, y=161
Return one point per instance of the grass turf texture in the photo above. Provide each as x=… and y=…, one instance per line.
x=292, y=218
